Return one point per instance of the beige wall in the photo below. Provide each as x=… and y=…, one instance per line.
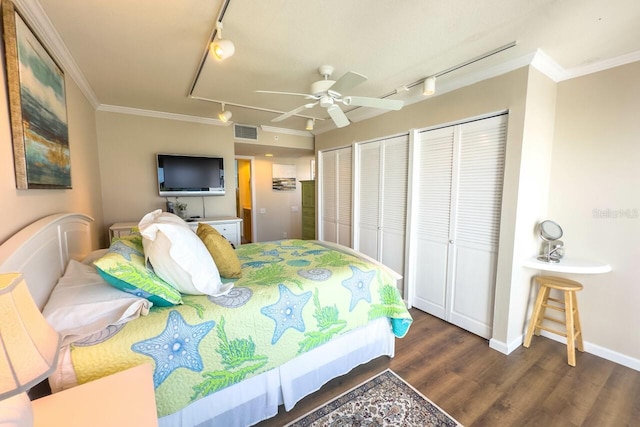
x=22, y=207
x=518, y=240
x=594, y=196
x=278, y=217
x=128, y=146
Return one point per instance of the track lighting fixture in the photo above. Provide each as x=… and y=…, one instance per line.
x=429, y=86
x=219, y=48
x=223, y=115
x=310, y=123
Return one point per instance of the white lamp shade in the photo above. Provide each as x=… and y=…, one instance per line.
x=222, y=49
x=429, y=86
x=309, y=124
x=225, y=116
x=28, y=344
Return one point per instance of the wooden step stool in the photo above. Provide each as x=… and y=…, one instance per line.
x=569, y=306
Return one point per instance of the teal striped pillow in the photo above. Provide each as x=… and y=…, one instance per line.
x=123, y=267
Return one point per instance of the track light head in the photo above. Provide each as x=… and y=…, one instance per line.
x=429, y=86
x=224, y=116
x=310, y=123
x=221, y=49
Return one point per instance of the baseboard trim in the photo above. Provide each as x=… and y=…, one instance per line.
x=505, y=348
x=605, y=353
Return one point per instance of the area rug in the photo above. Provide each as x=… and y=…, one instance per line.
x=384, y=400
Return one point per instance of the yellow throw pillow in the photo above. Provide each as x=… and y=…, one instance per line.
x=221, y=251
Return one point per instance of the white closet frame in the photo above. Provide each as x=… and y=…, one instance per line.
x=463, y=309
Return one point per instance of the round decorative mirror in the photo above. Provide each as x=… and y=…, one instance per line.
x=550, y=230
x=552, y=250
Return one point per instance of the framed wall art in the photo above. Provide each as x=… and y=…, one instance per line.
x=284, y=178
x=37, y=105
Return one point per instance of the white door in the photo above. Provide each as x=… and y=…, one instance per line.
x=476, y=229
x=458, y=195
x=345, y=197
x=393, y=209
x=432, y=181
x=368, y=201
x=327, y=199
x=381, y=200
x=335, y=200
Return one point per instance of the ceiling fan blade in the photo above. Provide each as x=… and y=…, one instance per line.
x=306, y=95
x=348, y=81
x=294, y=112
x=338, y=116
x=362, y=101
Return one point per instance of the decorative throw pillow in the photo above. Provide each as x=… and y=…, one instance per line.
x=179, y=256
x=124, y=267
x=221, y=251
x=82, y=303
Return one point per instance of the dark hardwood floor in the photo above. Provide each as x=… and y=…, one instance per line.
x=482, y=387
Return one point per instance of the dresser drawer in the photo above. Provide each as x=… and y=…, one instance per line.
x=230, y=232
x=229, y=228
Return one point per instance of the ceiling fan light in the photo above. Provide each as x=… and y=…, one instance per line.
x=429, y=86
x=309, y=124
x=222, y=49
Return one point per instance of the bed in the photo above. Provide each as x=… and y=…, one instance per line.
x=243, y=384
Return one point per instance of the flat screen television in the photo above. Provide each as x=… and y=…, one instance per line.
x=185, y=175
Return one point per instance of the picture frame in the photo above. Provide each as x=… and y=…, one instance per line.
x=37, y=107
x=284, y=178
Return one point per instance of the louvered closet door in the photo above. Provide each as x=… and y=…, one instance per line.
x=455, y=231
x=476, y=230
x=335, y=195
x=381, y=201
x=327, y=172
x=345, y=198
x=395, y=158
x=432, y=210
x=368, y=198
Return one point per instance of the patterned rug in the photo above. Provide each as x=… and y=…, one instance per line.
x=385, y=400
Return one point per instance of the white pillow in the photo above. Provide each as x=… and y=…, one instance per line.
x=94, y=256
x=82, y=303
x=178, y=255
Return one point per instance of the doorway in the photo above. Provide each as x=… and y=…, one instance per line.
x=245, y=196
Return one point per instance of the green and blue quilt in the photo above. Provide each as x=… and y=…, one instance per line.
x=293, y=296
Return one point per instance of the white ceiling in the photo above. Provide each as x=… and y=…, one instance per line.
x=143, y=56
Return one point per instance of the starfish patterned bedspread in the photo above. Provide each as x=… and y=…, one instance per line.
x=293, y=296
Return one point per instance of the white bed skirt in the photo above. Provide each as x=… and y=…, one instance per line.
x=257, y=398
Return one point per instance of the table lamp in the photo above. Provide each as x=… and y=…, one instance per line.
x=28, y=350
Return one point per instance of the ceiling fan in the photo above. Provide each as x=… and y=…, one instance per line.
x=329, y=93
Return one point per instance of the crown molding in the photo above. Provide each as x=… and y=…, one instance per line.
x=161, y=115
x=603, y=65
x=547, y=66
x=39, y=22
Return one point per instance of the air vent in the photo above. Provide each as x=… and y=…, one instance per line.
x=246, y=132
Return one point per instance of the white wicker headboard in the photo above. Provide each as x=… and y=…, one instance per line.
x=41, y=251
